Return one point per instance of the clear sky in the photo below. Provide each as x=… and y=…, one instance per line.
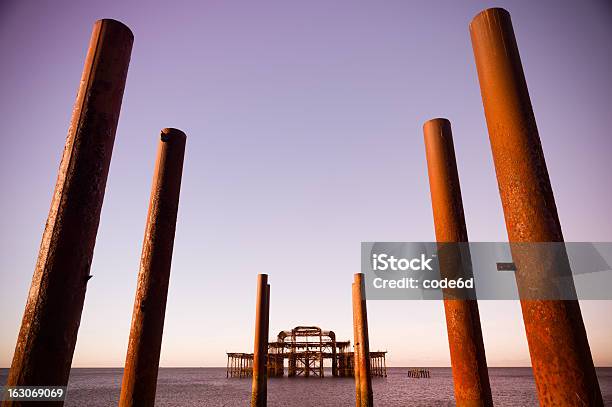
x=304, y=138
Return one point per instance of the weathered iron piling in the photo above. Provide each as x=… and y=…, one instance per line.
x=468, y=360
x=50, y=324
x=560, y=354
x=355, y=298
x=363, y=380
x=260, y=356
x=267, y=331
x=142, y=360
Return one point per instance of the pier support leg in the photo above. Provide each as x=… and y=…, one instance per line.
x=356, y=297
x=467, y=352
x=334, y=357
x=267, y=330
x=560, y=354
x=363, y=380
x=50, y=324
x=259, y=385
x=142, y=360
x=385, y=364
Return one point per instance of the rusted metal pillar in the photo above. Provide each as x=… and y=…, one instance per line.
x=560, y=354
x=356, y=298
x=50, y=324
x=260, y=351
x=468, y=361
x=267, y=330
x=363, y=379
x=142, y=360
x=332, y=336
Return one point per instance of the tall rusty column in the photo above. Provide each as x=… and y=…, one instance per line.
x=50, y=324
x=468, y=360
x=260, y=353
x=356, y=297
x=364, y=395
x=267, y=330
x=142, y=360
x=560, y=354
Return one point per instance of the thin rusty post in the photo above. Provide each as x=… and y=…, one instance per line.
x=468, y=360
x=260, y=351
x=560, y=354
x=267, y=330
x=356, y=299
x=50, y=324
x=362, y=342
x=142, y=360
x=334, y=355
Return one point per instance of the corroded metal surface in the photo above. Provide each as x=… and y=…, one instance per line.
x=362, y=344
x=260, y=355
x=560, y=353
x=266, y=330
x=356, y=296
x=468, y=360
x=48, y=334
x=142, y=360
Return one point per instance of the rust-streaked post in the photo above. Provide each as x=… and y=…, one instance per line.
x=267, y=330
x=356, y=297
x=260, y=351
x=560, y=354
x=468, y=360
x=332, y=336
x=362, y=343
x=50, y=324
x=142, y=360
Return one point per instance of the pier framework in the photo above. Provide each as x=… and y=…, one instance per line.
x=305, y=348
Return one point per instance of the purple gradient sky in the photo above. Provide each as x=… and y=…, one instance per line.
x=304, y=139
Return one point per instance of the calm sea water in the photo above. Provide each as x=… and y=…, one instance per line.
x=209, y=387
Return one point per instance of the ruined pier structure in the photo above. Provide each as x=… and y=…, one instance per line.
x=305, y=348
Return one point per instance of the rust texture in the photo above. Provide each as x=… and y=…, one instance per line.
x=50, y=324
x=356, y=297
x=260, y=356
x=364, y=395
x=468, y=360
x=142, y=360
x=267, y=330
x=560, y=354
